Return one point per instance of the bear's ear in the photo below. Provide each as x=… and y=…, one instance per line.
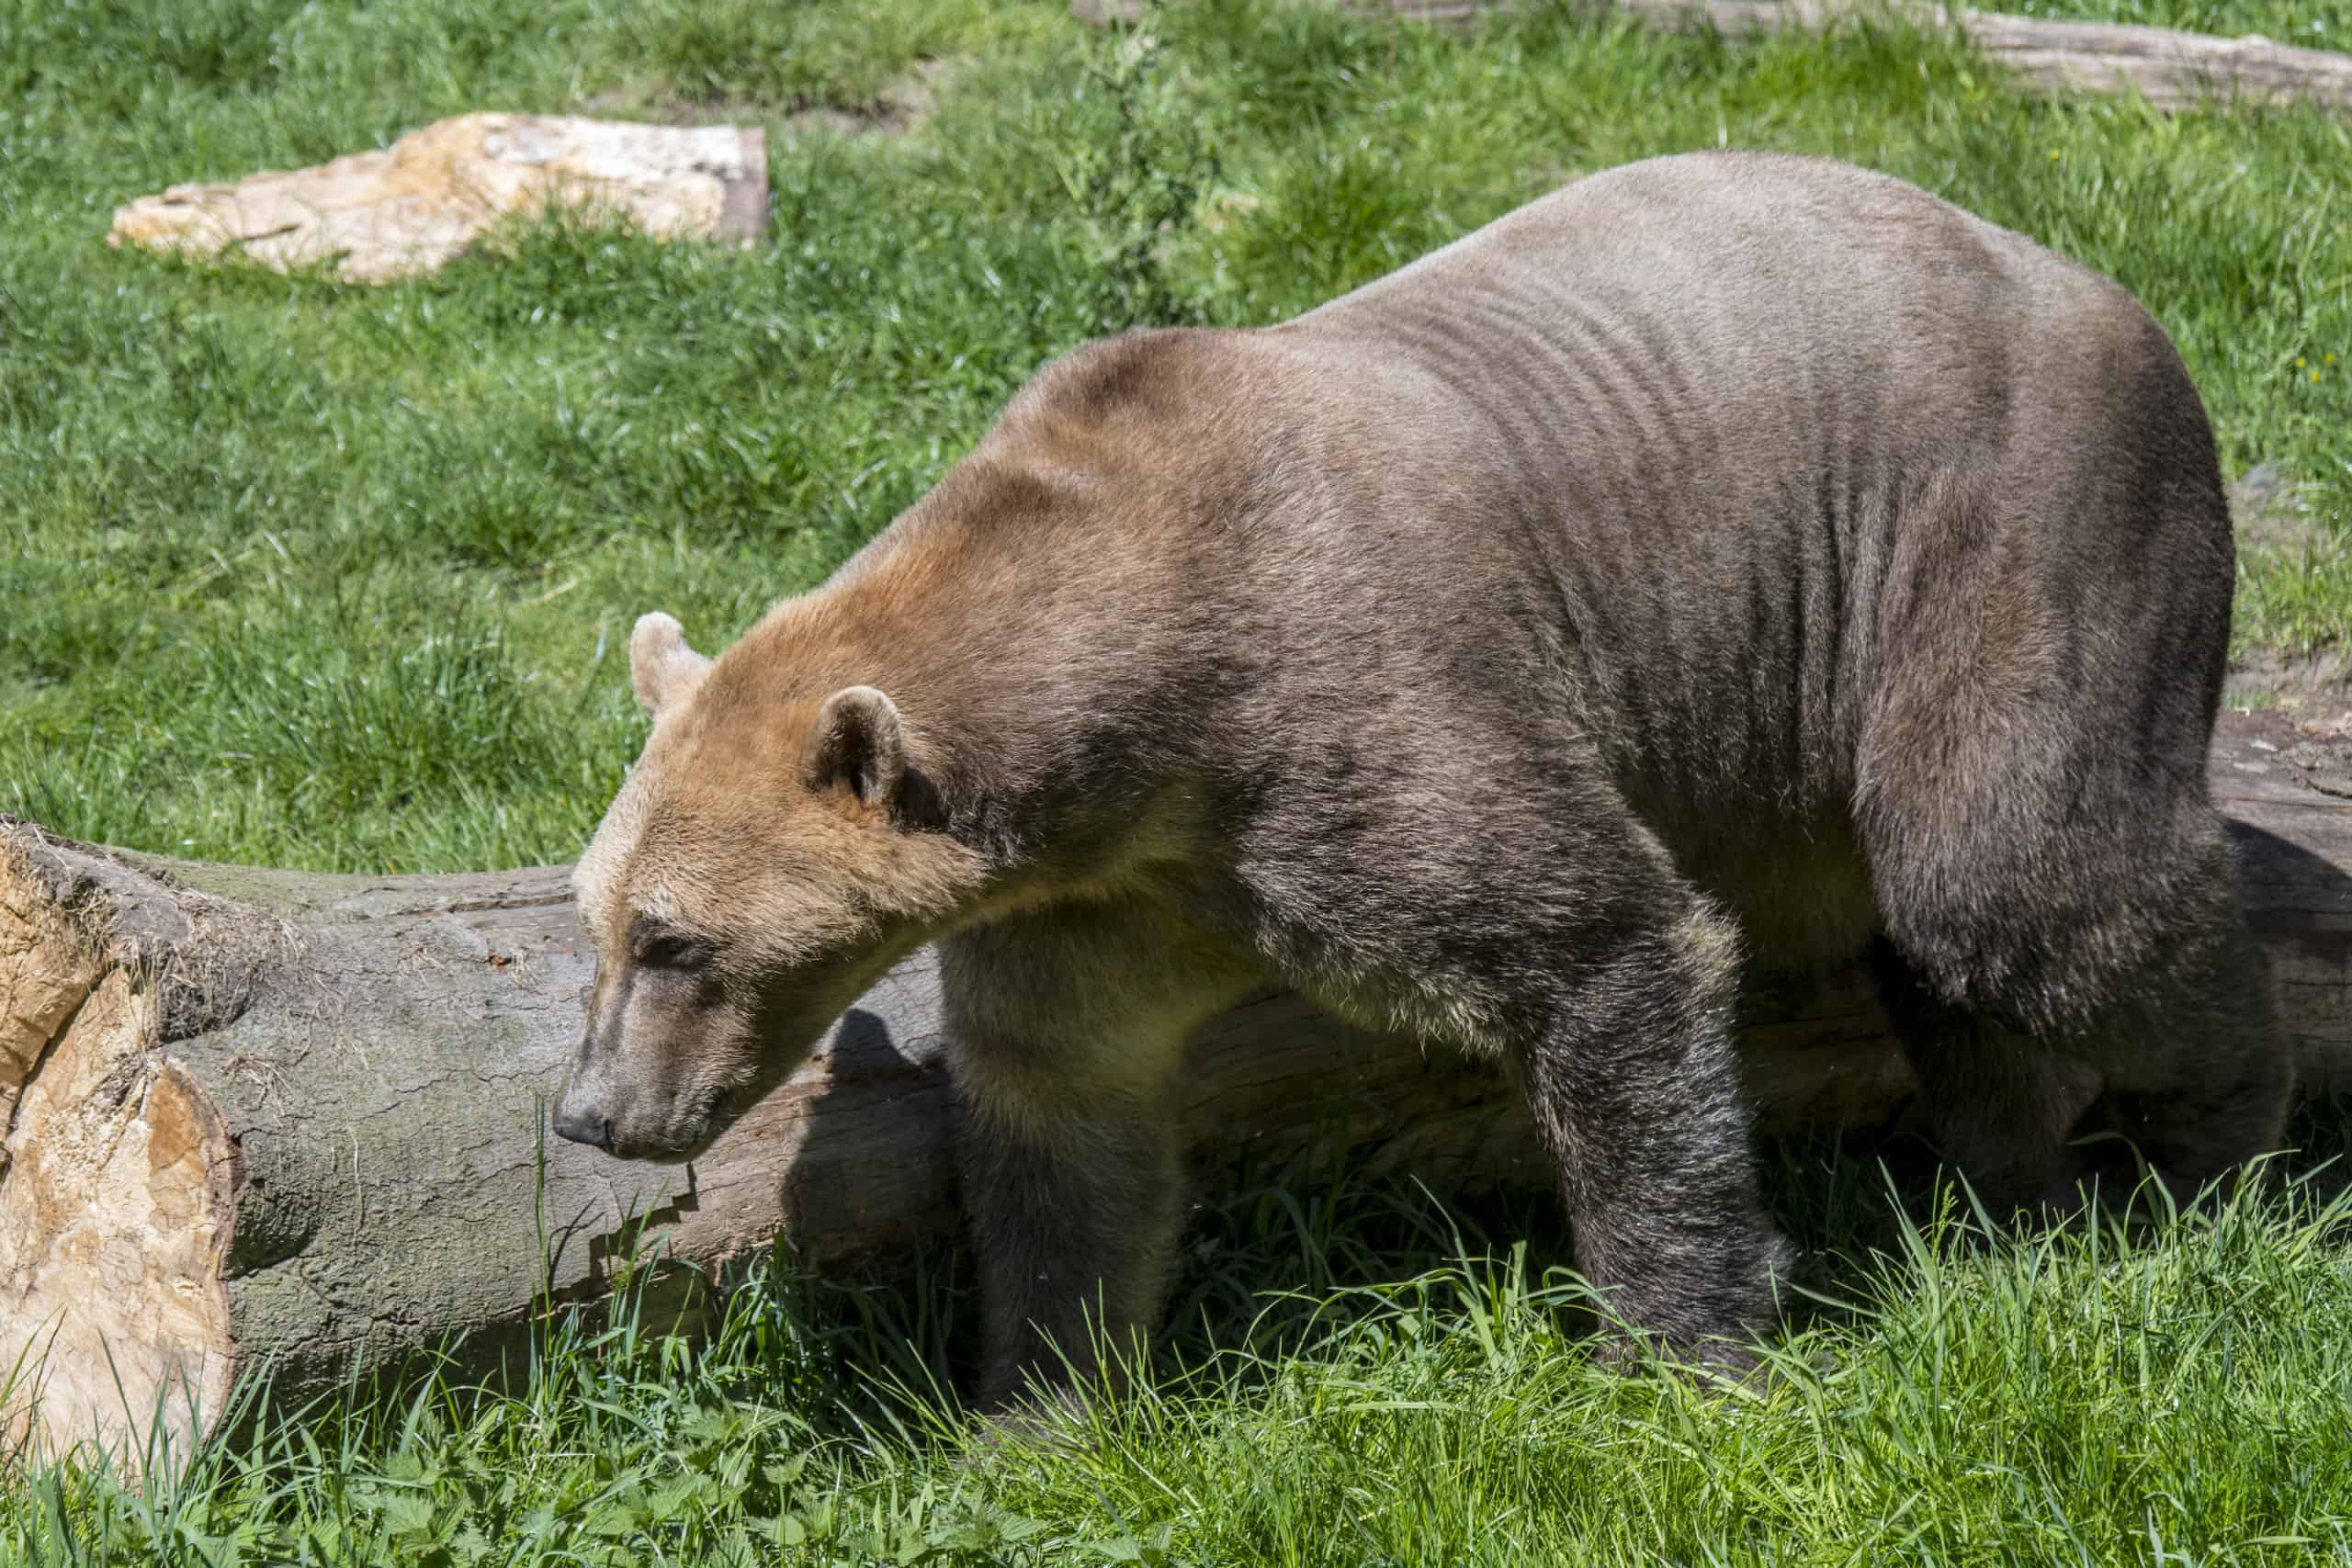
x=661, y=666
x=858, y=745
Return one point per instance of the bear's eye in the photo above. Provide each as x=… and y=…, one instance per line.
x=670, y=950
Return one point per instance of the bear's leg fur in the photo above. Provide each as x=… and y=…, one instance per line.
x=1560, y=938
x=2000, y=1105
x=1068, y=1030
x=2221, y=1093
x=2185, y=1064
x=2065, y=938
x=1633, y=1084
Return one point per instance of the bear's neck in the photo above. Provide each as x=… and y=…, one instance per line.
x=1051, y=640
x=1058, y=621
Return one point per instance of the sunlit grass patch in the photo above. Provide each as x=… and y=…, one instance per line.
x=2081, y=1395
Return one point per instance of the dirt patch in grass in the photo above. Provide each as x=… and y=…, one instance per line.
x=2301, y=707
x=901, y=106
x=2299, y=682
x=2268, y=514
x=904, y=104
x=2310, y=693
x=2309, y=744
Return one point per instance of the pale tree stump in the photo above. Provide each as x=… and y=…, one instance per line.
x=432, y=195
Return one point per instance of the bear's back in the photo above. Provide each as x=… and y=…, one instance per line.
x=1714, y=452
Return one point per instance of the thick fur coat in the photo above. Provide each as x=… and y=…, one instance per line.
x=1728, y=560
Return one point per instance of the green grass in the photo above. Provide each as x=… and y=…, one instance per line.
x=325, y=576
x=2179, y=1396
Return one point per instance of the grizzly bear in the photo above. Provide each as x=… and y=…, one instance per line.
x=1727, y=559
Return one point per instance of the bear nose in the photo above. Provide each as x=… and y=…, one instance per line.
x=591, y=1127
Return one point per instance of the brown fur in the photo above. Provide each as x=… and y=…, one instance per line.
x=1725, y=556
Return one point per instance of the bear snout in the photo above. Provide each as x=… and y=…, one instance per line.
x=626, y=1123
x=583, y=1125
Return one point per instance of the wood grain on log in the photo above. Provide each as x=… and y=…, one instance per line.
x=2171, y=69
x=262, y=1119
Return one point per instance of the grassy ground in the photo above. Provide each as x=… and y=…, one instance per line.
x=321, y=576
x=2178, y=1397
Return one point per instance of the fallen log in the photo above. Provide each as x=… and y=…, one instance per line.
x=2173, y=70
x=262, y=1119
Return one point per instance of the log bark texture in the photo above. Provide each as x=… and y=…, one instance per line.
x=260, y=1119
x=2171, y=69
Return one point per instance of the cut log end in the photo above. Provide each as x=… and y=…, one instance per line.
x=115, y=1185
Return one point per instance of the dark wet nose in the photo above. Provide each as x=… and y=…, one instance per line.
x=591, y=1127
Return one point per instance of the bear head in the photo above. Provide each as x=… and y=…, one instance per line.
x=773, y=852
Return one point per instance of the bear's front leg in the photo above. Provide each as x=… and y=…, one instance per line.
x=1067, y=1031
x=1633, y=1082
x=1559, y=938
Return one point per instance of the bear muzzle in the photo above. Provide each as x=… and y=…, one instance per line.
x=583, y=1125
x=632, y=1125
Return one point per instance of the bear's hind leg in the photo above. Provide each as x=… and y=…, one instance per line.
x=2001, y=1105
x=2069, y=938
x=2201, y=1079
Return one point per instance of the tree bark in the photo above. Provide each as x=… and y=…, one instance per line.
x=271, y=1119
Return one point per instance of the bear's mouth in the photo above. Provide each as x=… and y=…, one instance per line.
x=718, y=1112
x=717, y=1108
